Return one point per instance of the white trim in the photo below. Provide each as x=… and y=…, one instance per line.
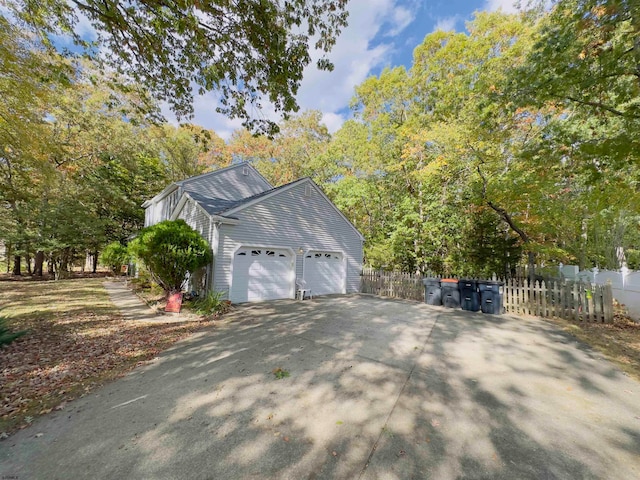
x=163, y=194
x=345, y=265
x=292, y=291
x=285, y=188
x=215, y=218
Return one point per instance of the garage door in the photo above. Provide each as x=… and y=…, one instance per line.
x=262, y=274
x=324, y=272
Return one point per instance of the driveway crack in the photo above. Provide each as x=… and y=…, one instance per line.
x=395, y=404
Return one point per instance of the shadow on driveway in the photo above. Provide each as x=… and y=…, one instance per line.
x=378, y=389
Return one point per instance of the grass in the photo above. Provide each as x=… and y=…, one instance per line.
x=76, y=341
x=618, y=341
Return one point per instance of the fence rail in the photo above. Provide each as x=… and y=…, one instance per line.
x=576, y=301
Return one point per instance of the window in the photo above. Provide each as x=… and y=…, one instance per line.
x=255, y=253
x=307, y=190
x=270, y=253
x=245, y=170
x=241, y=254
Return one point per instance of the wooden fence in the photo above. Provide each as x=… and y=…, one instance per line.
x=575, y=301
x=392, y=284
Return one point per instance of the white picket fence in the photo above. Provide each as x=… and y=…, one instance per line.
x=576, y=301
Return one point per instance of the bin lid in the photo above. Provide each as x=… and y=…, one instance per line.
x=470, y=281
x=431, y=281
x=449, y=280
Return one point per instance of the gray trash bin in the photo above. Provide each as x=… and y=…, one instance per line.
x=432, y=291
x=450, y=292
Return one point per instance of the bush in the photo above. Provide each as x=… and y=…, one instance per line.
x=170, y=250
x=114, y=255
x=6, y=335
x=210, y=303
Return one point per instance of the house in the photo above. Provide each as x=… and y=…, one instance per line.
x=265, y=240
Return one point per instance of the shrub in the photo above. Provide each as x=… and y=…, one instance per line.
x=170, y=250
x=6, y=335
x=114, y=255
x=210, y=303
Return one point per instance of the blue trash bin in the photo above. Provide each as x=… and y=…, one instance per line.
x=469, y=296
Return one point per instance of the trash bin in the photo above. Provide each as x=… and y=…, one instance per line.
x=491, y=296
x=450, y=292
x=432, y=292
x=469, y=296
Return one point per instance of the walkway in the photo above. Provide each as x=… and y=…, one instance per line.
x=133, y=308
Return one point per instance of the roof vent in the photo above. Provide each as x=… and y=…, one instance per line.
x=307, y=190
x=245, y=170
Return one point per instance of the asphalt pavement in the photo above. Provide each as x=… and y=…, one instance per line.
x=369, y=389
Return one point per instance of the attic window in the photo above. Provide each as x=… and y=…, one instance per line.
x=245, y=170
x=307, y=190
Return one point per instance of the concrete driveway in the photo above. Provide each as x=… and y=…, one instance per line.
x=378, y=389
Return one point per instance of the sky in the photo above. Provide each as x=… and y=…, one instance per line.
x=381, y=33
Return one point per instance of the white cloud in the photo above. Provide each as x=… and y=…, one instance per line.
x=402, y=18
x=446, y=24
x=333, y=121
x=507, y=6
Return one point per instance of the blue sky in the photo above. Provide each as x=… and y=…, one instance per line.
x=381, y=33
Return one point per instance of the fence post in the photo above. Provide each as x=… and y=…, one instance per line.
x=607, y=300
x=575, y=302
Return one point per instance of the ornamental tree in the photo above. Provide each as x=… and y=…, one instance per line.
x=171, y=250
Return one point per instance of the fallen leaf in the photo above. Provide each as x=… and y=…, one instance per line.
x=334, y=453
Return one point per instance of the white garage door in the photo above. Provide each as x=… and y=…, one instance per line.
x=324, y=272
x=262, y=274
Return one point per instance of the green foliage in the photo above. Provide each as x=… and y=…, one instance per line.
x=170, y=250
x=279, y=373
x=210, y=303
x=6, y=334
x=114, y=255
x=249, y=52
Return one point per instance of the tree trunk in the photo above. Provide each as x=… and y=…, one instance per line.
x=27, y=259
x=7, y=250
x=38, y=262
x=95, y=261
x=50, y=269
x=16, y=265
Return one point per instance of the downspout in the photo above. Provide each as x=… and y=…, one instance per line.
x=214, y=227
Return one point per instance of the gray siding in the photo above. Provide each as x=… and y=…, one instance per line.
x=199, y=221
x=228, y=184
x=290, y=219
